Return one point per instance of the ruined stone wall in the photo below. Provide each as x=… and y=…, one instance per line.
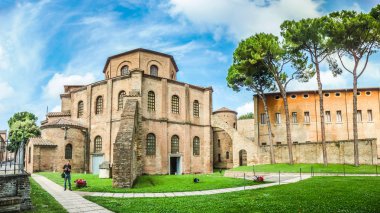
x=338, y=152
x=15, y=193
x=127, y=149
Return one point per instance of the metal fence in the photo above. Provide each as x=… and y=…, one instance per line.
x=11, y=162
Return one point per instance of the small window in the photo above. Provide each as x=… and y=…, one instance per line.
x=98, y=144
x=306, y=95
x=262, y=118
x=99, y=105
x=175, y=144
x=30, y=155
x=154, y=70
x=218, y=142
x=294, y=117
x=295, y=142
x=337, y=94
x=150, y=144
x=120, y=102
x=358, y=93
x=359, y=116
x=227, y=155
x=278, y=118
x=306, y=117
x=175, y=104
x=172, y=75
x=125, y=70
x=219, y=158
x=369, y=113
x=68, y=151
x=80, y=109
x=293, y=96
x=196, y=108
x=278, y=143
x=234, y=126
x=368, y=93
x=327, y=116
x=339, y=116
x=196, y=146
x=151, y=101
x=277, y=97
x=327, y=94
x=263, y=143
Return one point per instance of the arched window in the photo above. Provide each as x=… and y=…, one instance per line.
x=68, y=151
x=175, y=144
x=154, y=70
x=98, y=144
x=99, y=105
x=175, y=104
x=196, y=108
x=150, y=144
x=151, y=101
x=125, y=70
x=80, y=109
x=120, y=102
x=227, y=155
x=196, y=146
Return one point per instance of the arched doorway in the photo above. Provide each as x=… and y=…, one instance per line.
x=242, y=157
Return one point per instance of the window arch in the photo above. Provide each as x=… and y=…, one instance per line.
x=68, y=151
x=99, y=105
x=175, y=104
x=98, y=144
x=196, y=145
x=154, y=70
x=151, y=101
x=150, y=144
x=227, y=155
x=80, y=109
x=124, y=70
x=120, y=102
x=196, y=108
x=175, y=144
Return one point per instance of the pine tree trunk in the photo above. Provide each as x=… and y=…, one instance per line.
x=322, y=113
x=287, y=118
x=355, y=120
x=272, y=158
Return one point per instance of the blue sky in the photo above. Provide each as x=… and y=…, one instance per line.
x=46, y=44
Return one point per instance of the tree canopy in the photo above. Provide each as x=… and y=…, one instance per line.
x=22, y=126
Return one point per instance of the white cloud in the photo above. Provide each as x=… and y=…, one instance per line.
x=55, y=86
x=56, y=109
x=6, y=90
x=242, y=18
x=246, y=108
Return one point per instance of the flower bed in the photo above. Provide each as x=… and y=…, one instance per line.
x=80, y=183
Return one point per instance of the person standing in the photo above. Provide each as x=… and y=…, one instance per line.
x=67, y=171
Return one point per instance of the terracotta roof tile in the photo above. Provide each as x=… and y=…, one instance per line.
x=58, y=114
x=64, y=122
x=38, y=141
x=224, y=109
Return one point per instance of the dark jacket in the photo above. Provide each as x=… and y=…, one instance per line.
x=67, y=169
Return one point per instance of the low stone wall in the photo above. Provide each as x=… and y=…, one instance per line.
x=15, y=193
x=338, y=152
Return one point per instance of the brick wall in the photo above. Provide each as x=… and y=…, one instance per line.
x=127, y=159
x=338, y=152
x=15, y=193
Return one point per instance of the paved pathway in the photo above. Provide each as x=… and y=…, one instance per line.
x=71, y=201
x=288, y=180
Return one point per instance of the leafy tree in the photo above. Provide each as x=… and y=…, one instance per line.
x=248, y=115
x=283, y=65
x=355, y=36
x=245, y=73
x=22, y=126
x=309, y=36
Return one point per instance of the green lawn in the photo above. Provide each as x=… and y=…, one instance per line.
x=306, y=168
x=154, y=183
x=42, y=201
x=318, y=194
